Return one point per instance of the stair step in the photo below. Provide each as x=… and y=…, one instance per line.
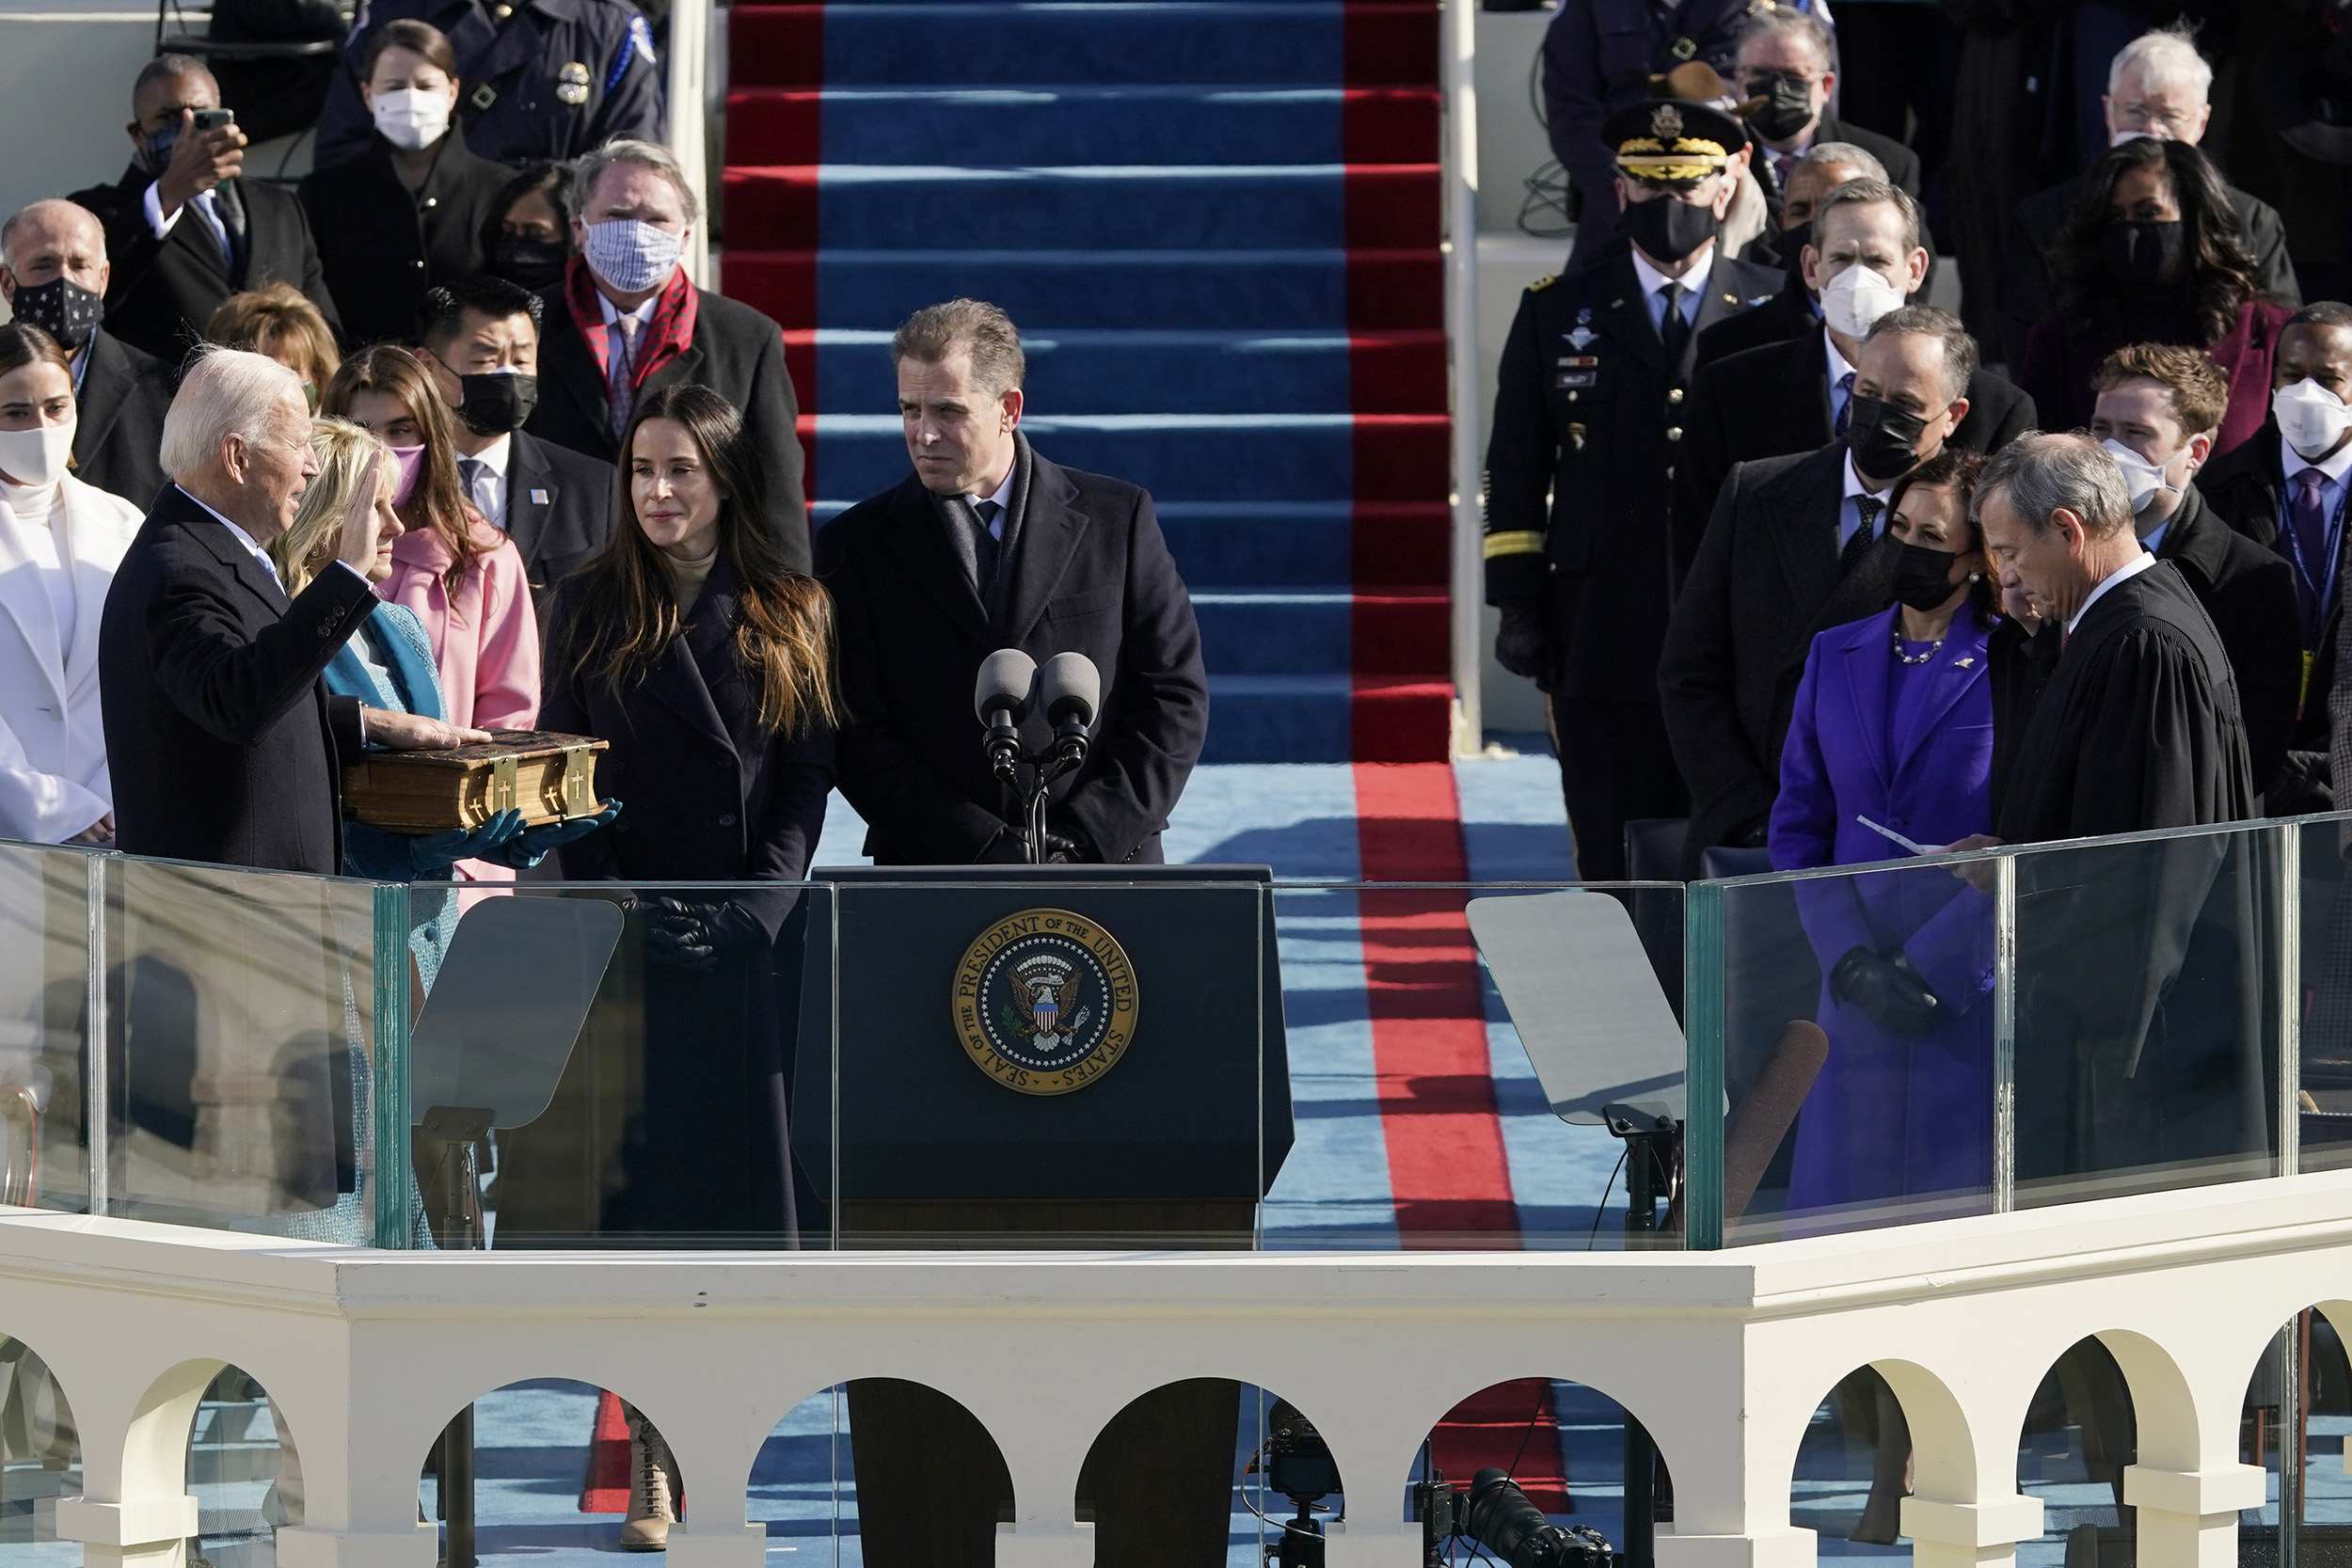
x=1328, y=718
x=1279, y=719
x=1283, y=290
x=1289, y=631
x=1086, y=207
x=979, y=45
x=1235, y=457
x=1268, y=543
x=1149, y=123
x=1085, y=371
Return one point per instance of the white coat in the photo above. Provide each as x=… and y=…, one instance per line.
x=54, y=782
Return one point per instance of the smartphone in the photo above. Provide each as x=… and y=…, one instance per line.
x=213, y=120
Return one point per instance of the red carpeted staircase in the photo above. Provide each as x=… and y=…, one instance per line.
x=1216, y=223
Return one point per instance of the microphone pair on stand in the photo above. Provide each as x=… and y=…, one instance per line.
x=1067, y=689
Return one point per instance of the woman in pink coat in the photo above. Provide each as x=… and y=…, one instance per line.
x=463, y=578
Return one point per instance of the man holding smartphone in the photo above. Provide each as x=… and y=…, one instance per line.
x=184, y=230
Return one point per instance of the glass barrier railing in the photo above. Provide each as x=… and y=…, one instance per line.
x=1171, y=1057
x=2016, y=1027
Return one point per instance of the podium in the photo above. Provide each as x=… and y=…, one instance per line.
x=1060, y=1055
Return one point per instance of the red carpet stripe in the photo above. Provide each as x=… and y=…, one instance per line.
x=1448, y=1171
x=605, y=1488
x=1446, y=1164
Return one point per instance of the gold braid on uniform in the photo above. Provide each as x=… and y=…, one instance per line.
x=1524, y=542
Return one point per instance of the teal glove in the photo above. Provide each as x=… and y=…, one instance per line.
x=434, y=856
x=531, y=845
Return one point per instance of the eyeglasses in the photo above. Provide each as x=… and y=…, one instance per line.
x=2155, y=116
x=1762, y=81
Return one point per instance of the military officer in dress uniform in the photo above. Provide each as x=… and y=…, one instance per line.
x=1580, y=469
x=544, y=80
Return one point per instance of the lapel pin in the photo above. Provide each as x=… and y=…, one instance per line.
x=538, y=497
x=1964, y=663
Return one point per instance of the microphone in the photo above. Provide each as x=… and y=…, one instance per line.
x=1001, y=699
x=1069, y=689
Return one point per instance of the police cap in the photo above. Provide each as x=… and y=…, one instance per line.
x=1671, y=141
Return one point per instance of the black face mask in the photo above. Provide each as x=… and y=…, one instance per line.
x=1668, y=228
x=496, y=404
x=1923, y=577
x=157, y=151
x=1883, y=438
x=1787, y=110
x=2140, y=253
x=63, y=308
x=535, y=264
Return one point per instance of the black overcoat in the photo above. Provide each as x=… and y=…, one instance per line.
x=2249, y=594
x=222, y=740
x=1768, y=577
x=381, y=246
x=1091, y=575
x=119, y=427
x=710, y=797
x=1773, y=401
x=162, y=294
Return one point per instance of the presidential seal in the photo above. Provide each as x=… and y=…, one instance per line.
x=1044, y=1001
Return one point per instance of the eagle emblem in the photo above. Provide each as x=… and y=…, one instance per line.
x=1044, y=1001
x=1665, y=122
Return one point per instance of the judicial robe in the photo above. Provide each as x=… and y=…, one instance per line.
x=2140, y=968
x=2139, y=727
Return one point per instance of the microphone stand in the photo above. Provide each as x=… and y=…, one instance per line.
x=1653, y=1151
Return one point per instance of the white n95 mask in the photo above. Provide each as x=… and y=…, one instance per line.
x=2141, y=477
x=1856, y=298
x=2311, y=418
x=412, y=118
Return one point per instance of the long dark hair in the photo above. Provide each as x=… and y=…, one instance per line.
x=439, y=501
x=1960, y=468
x=2216, y=276
x=627, y=613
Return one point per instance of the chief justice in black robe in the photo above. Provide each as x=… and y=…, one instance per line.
x=2141, y=967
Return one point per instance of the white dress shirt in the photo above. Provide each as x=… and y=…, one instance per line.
x=1654, y=284
x=2139, y=563
x=1849, y=515
x=202, y=203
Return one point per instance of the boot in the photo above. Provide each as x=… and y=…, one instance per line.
x=652, y=1489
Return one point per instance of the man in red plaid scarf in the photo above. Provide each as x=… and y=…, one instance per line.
x=627, y=321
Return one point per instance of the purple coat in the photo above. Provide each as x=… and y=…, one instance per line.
x=1892, y=1116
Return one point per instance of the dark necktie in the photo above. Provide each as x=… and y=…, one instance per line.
x=1845, y=410
x=1672, y=329
x=1868, y=508
x=620, y=371
x=984, y=545
x=228, y=205
x=2307, y=514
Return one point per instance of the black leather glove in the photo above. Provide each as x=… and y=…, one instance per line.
x=1888, y=990
x=1011, y=847
x=1756, y=833
x=1523, y=646
x=694, y=937
x=2303, y=785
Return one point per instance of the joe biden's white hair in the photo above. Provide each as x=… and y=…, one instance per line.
x=227, y=392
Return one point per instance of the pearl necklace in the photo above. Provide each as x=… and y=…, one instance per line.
x=1902, y=658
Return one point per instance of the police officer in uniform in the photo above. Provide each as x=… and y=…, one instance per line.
x=1580, y=468
x=544, y=80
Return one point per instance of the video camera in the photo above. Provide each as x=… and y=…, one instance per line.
x=1496, y=1515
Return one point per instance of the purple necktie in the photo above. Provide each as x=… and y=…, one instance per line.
x=619, y=385
x=1845, y=410
x=2306, y=514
